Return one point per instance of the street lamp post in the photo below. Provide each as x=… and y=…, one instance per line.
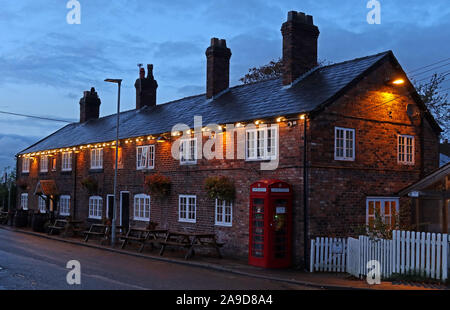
x=113, y=223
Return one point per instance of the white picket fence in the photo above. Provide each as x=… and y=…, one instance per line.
x=425, y=254
x=328, y=254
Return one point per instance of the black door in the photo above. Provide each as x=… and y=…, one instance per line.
x=110, y=206
x=125, y=205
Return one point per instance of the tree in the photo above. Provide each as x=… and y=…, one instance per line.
x=274, y=69
x=4, y=194
x=436, y=102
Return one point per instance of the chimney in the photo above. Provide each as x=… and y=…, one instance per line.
x=299, y=45
x=218, y=67
x=146, y=88
x=89, y=106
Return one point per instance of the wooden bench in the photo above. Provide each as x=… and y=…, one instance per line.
x=58, y=225
x=142, y=236
x=96, y=230
x=4, y=217
x=189, y=241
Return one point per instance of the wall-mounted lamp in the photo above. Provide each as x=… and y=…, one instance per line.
x=395, y=82
x=161, y=139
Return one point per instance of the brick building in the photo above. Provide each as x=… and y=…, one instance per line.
x=347, y=137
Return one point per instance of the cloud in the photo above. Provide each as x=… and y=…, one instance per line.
x=177, y=50
x=10, y=146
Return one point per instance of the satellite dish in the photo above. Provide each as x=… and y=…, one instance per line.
x=412, y=110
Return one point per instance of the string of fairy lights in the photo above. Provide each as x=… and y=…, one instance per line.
x=158, y=138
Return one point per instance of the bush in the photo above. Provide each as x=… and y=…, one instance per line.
x=220, y=187
x=158, y=185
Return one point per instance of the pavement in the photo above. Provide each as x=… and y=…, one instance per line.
x=268, y=278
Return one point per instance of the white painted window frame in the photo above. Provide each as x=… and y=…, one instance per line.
x=26, y=163
x=188, y=146
x=64, y=205
x=189, y=208
x=223, y=206
x=66, y=161
x=382, y=205
x=97, y=158
x=147, y=161
x=24, y=201
x=95, y=207
x=43, y=163
x=259, y=143
x=139, y=210
x=41, y=204
x=402, y=149
x=344, y=146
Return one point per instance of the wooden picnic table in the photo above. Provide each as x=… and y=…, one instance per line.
x=65, y=226
x=3, y=217
x=191, y=240
x=143, y=236
x=100, y=230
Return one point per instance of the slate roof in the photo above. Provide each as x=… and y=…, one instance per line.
x=264, y=99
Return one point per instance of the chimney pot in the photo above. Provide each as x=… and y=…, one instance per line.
x=89, y=105
x=218, y=67
x=146, y=88
x=299, y=45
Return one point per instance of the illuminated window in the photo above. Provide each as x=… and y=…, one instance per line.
x=95, y=207
x=188, y=151
x=405, y=149
x=187, y=208
x=44, y=163
x=344, y=144
x=53, y=163
x=224, y=212
x=145, y=157
x=66, y=161
x=26, y=165
x=96, y=158
x=142, y=207
x=24, y=201
x=64, y=205
x=261, y=143
x=386, y=208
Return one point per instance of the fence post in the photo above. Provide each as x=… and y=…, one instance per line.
x=444, y=257
x=311, y=260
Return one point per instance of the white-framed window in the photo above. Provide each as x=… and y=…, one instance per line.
x=261, y=143
x=386, y=207
x=344, y=143
x=66, y=161
x=187, y=208
x=95, y=207
x=188, y=151
x=26, y=164
x=24, y=201
x=64, y=205
x=41, y=204
x=97, y=158
x=142, y=207
x=44, y=163
x=224, y=212
x=145, y=157
x=405, y=149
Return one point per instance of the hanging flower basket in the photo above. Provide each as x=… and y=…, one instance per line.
x=220, y=187
x=22, y=183
x=158, y=185
x=90, y=184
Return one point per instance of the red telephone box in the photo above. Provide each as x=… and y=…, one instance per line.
x=270, y=224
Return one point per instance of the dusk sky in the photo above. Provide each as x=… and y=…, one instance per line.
x=46, y=63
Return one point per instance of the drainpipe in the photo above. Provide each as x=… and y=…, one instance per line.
x=305, y=197
x=74, y=185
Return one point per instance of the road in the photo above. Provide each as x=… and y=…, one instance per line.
x=30, y=262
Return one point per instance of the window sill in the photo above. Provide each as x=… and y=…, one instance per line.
x=224, y=224
x=94, y=218
x=190, y=163
x=141, y=219
x=96, y=170
x=344, y=159
x=187, y=221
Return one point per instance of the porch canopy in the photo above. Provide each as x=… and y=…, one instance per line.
x=47, y=188
x=431, y=201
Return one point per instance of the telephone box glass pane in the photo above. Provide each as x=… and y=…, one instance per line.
x=280, y=228
x=258, y=227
